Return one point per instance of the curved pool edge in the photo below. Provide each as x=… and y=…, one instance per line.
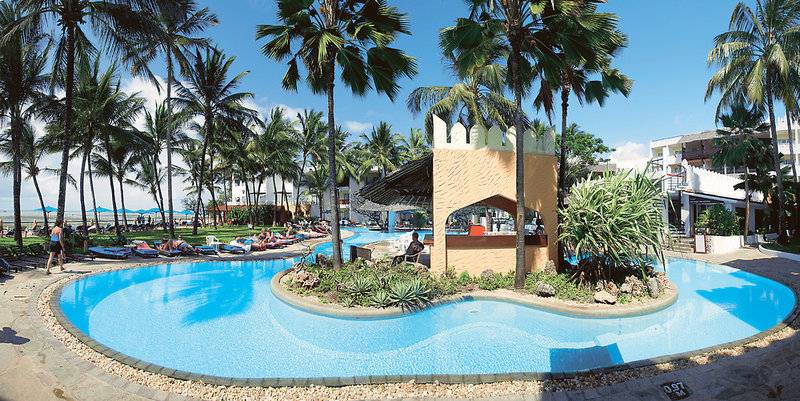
x=55, y=309
x=593, y=311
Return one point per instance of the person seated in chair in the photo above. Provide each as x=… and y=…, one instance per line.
x=414, y=249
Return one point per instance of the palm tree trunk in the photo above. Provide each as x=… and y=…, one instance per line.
x=520, y=271
x=247, y=202
x=170, y=77
x=275, y=201
x=562, y=161
x=67, y=140
x=113, y=191
x=83, y=204
x=211, y=187
x=91, y=189
x=16, y=137
x=207, y=127
x=41, y=202
x=297, y=186
x=335, y=231
x=122, y=200
x=776, y=164
x=796, y=214
x=160, y=199
x=746, y=202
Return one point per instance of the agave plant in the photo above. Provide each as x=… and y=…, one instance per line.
x=381, y=299
x=359, y=286
x=409, y=294
x=629, y=205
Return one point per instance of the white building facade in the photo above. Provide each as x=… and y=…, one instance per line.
x=692, y=182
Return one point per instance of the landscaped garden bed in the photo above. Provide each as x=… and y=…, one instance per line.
x=379, y=286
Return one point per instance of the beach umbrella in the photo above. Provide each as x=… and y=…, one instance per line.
x=153, y=210
x=48, y=209
x=101, y=210
x=185, y=212
x=140, y=211
x=126, y=211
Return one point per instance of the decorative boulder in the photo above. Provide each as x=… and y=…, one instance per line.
x=653, y=287
x=311, y=282
x=636, y=285
x=487, y=274
x=549, y=268
x=545, y=290
x=612, y=288
x=603, y=297
x=626, y=288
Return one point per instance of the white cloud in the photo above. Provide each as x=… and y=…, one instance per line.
x=357, y=127
x=630, y=155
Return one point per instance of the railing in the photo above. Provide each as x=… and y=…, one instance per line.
x=675, y=181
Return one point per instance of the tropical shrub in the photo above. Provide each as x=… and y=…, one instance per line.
x=717, y=220
x=496, y=281
x=565, y=287
x=612, y=222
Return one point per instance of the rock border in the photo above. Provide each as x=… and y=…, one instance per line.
x=573, y=309
x=50, y=295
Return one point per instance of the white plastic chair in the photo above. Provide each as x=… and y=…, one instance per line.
x=211, y=240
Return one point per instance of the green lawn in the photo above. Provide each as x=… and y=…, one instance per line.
x=792, y=247
x=223, y=233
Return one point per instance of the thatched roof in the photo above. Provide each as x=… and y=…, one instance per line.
x=409, y=187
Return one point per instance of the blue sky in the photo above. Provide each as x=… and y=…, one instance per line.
x=666, y=57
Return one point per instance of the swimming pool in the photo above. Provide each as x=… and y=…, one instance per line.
x=221, y=319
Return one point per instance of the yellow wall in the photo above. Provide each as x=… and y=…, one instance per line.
x=464, y=177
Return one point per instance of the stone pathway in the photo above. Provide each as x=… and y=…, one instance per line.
x=35, y=366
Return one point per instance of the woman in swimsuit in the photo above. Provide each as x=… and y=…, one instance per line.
x=56, y=246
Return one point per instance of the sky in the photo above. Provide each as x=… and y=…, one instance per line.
x=666, y=57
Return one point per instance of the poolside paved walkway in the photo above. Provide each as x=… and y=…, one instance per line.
x=35, y=366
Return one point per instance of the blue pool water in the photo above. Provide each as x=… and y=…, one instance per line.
x=220, y=318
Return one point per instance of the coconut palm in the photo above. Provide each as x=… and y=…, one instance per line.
x=380, y=149
x=176, y=23
x=585, y=42
x=477, y=100
x=120, y=160
x=23, y=83
x=754, y=56
x=116, y=22
x=309, y=138
x=317, y=182
x=738, y=146
x=209, y=93
x=516, y=26
x=341, y=33
x=30, y=156
x=416, y=146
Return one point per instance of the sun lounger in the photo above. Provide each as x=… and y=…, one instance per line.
x=115, y=253
x=236, y=250
x=205, y=250
x=143, y=250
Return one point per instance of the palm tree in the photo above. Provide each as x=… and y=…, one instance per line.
x=120, y=159
x=208, y=93
x=516, y=26
x=585, y=42
x=116, y=22
x=161, y=127
x=175, y=24
x=30, y=156
x=310, y=138
x=23, y=83
x=339, y=32
x=754, y=56
x=381, y=149
x=739, y=147
x=317, y=181
x=416, y=146
x=477, y=100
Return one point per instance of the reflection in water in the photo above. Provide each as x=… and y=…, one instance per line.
x=220, y=318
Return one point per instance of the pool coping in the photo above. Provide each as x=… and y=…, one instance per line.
x=340, y=381
x=587, y=310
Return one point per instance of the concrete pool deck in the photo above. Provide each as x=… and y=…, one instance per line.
x=35, y=365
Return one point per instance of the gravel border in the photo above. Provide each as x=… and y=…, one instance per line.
x=573, y=309
x=207, y=387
